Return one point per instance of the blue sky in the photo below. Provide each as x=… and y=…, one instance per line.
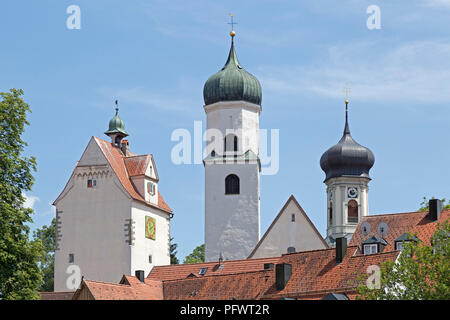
x=155, y=56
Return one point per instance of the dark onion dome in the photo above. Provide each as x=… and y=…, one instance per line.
x=232, y=82
x=347, y=157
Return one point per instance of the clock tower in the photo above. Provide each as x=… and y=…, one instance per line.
x=232, y=105
x=346, y=166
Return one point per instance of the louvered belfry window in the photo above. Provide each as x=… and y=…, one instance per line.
x=232, y=184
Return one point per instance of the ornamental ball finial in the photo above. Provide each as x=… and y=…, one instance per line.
x=232, y=33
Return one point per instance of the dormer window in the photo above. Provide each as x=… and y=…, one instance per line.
x=91, y=183
x=370, y=248
x=403, y=239
x=373, y=245
x=202, y=271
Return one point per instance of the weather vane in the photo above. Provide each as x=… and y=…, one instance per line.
x=232, y=22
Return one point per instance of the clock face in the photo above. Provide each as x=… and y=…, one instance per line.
x=352, y=192
x=150, y=228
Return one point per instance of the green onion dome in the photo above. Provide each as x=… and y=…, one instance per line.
x=232, y=83
x=116, y=125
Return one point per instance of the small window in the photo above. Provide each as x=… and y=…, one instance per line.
x=331, y=212
x=151, y=188
x=352, y=211
x=91, y=183
x=203, y=271
x=150, y=259
x=399, y=245
x=232, y=184
x=293, y=217
x=370, y=248
x=71, y=258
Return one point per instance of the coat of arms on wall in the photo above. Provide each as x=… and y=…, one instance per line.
x=150, y=228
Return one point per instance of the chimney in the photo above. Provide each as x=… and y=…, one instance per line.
x=140, y=275
x=283, y=272
x=341, y=249
x=125, y=147
x=435, y=206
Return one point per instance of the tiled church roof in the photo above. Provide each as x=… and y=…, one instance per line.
x=315, y=273
x=181, y=271
x=117, y=162
x=398, y=224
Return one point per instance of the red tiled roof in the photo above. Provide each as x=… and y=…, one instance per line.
x=278, y=216
x=137, y=165
x=117, y=162
x=128, y=289
x=240, y=286
x=181, y=271
x=316, y=272
x=413, y=222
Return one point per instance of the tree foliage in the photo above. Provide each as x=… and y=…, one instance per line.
x=173, y=252
x=197, y=256
x=425, y=205
x=420, y=272
x=47, y=235
x=19, y=272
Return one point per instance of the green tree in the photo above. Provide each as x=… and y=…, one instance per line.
x=420, y=273
x=47, y=235
x=197, y=256
x=20, y=276
x=424, y=205
x=173, y=252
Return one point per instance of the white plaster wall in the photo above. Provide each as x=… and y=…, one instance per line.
x=143, y=247
x=93, y=228
x=339, y=226
x=231, y=221
x=238, y=115
x=285, y=233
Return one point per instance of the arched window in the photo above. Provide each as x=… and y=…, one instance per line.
x=232, y=184
x=352, y=211
x=230, y=143
x=331, y=212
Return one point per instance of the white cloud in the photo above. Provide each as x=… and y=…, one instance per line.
x=141, y=96
x=416, y=71
x=29, y=201
x=437, y=3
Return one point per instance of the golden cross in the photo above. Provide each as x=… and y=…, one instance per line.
x=232, y=22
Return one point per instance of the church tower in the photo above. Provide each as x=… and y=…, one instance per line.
x=346, y=166
x=232, y=105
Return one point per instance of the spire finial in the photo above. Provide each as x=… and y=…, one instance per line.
x=346, y=91
x=117, y=106
x=232, y=33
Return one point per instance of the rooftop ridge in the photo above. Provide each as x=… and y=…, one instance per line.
x=108, y=283
x=215, y=262
x=314, y=250
x=218, y=275
x=139, y=155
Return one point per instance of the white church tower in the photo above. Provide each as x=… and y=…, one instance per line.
x=111, y=218
x=346, y=166
x=232, y=106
